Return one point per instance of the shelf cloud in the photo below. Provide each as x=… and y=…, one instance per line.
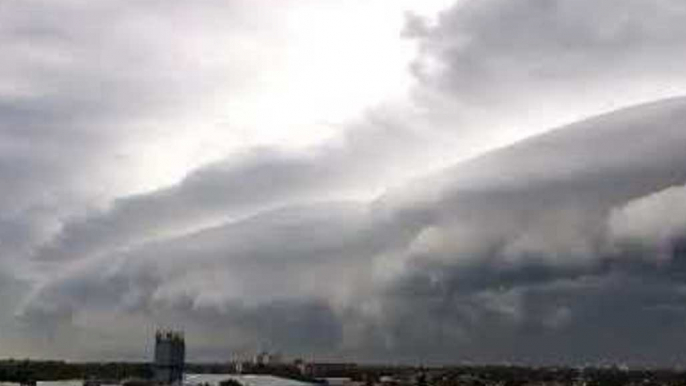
x=520, y=199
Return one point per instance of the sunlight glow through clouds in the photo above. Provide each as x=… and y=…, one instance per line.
x=323, y=65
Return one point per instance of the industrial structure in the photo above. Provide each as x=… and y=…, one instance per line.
x=170, y=353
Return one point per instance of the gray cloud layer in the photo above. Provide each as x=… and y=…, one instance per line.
x=511, y=255
x=564, y=247
x=492, y=60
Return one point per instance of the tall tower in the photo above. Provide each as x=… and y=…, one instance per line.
x=170, y=353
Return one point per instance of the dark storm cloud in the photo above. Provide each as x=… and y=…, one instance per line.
x=509, y=261
x=82, y=86
x=263, y=179
x=598, y=316
x=287, y=263
x=270, y=250
x=257, y=180
x=519, y=68
x=564, y=247
x=302, y=326
x=496, y=50
x=516, y=255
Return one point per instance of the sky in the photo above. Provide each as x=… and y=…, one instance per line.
x=410, y=181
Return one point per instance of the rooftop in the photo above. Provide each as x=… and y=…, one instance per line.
x=245, y=380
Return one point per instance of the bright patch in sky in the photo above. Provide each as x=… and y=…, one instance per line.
x=322, y=65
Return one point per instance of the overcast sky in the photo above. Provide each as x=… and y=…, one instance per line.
x=381, y=180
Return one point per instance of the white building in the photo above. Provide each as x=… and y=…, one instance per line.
x=245, y=380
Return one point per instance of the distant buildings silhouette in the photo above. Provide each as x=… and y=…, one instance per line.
x=170, y=355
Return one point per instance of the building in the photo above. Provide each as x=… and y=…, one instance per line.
x=170, y=354
x=265, y=358
x=243, y=380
